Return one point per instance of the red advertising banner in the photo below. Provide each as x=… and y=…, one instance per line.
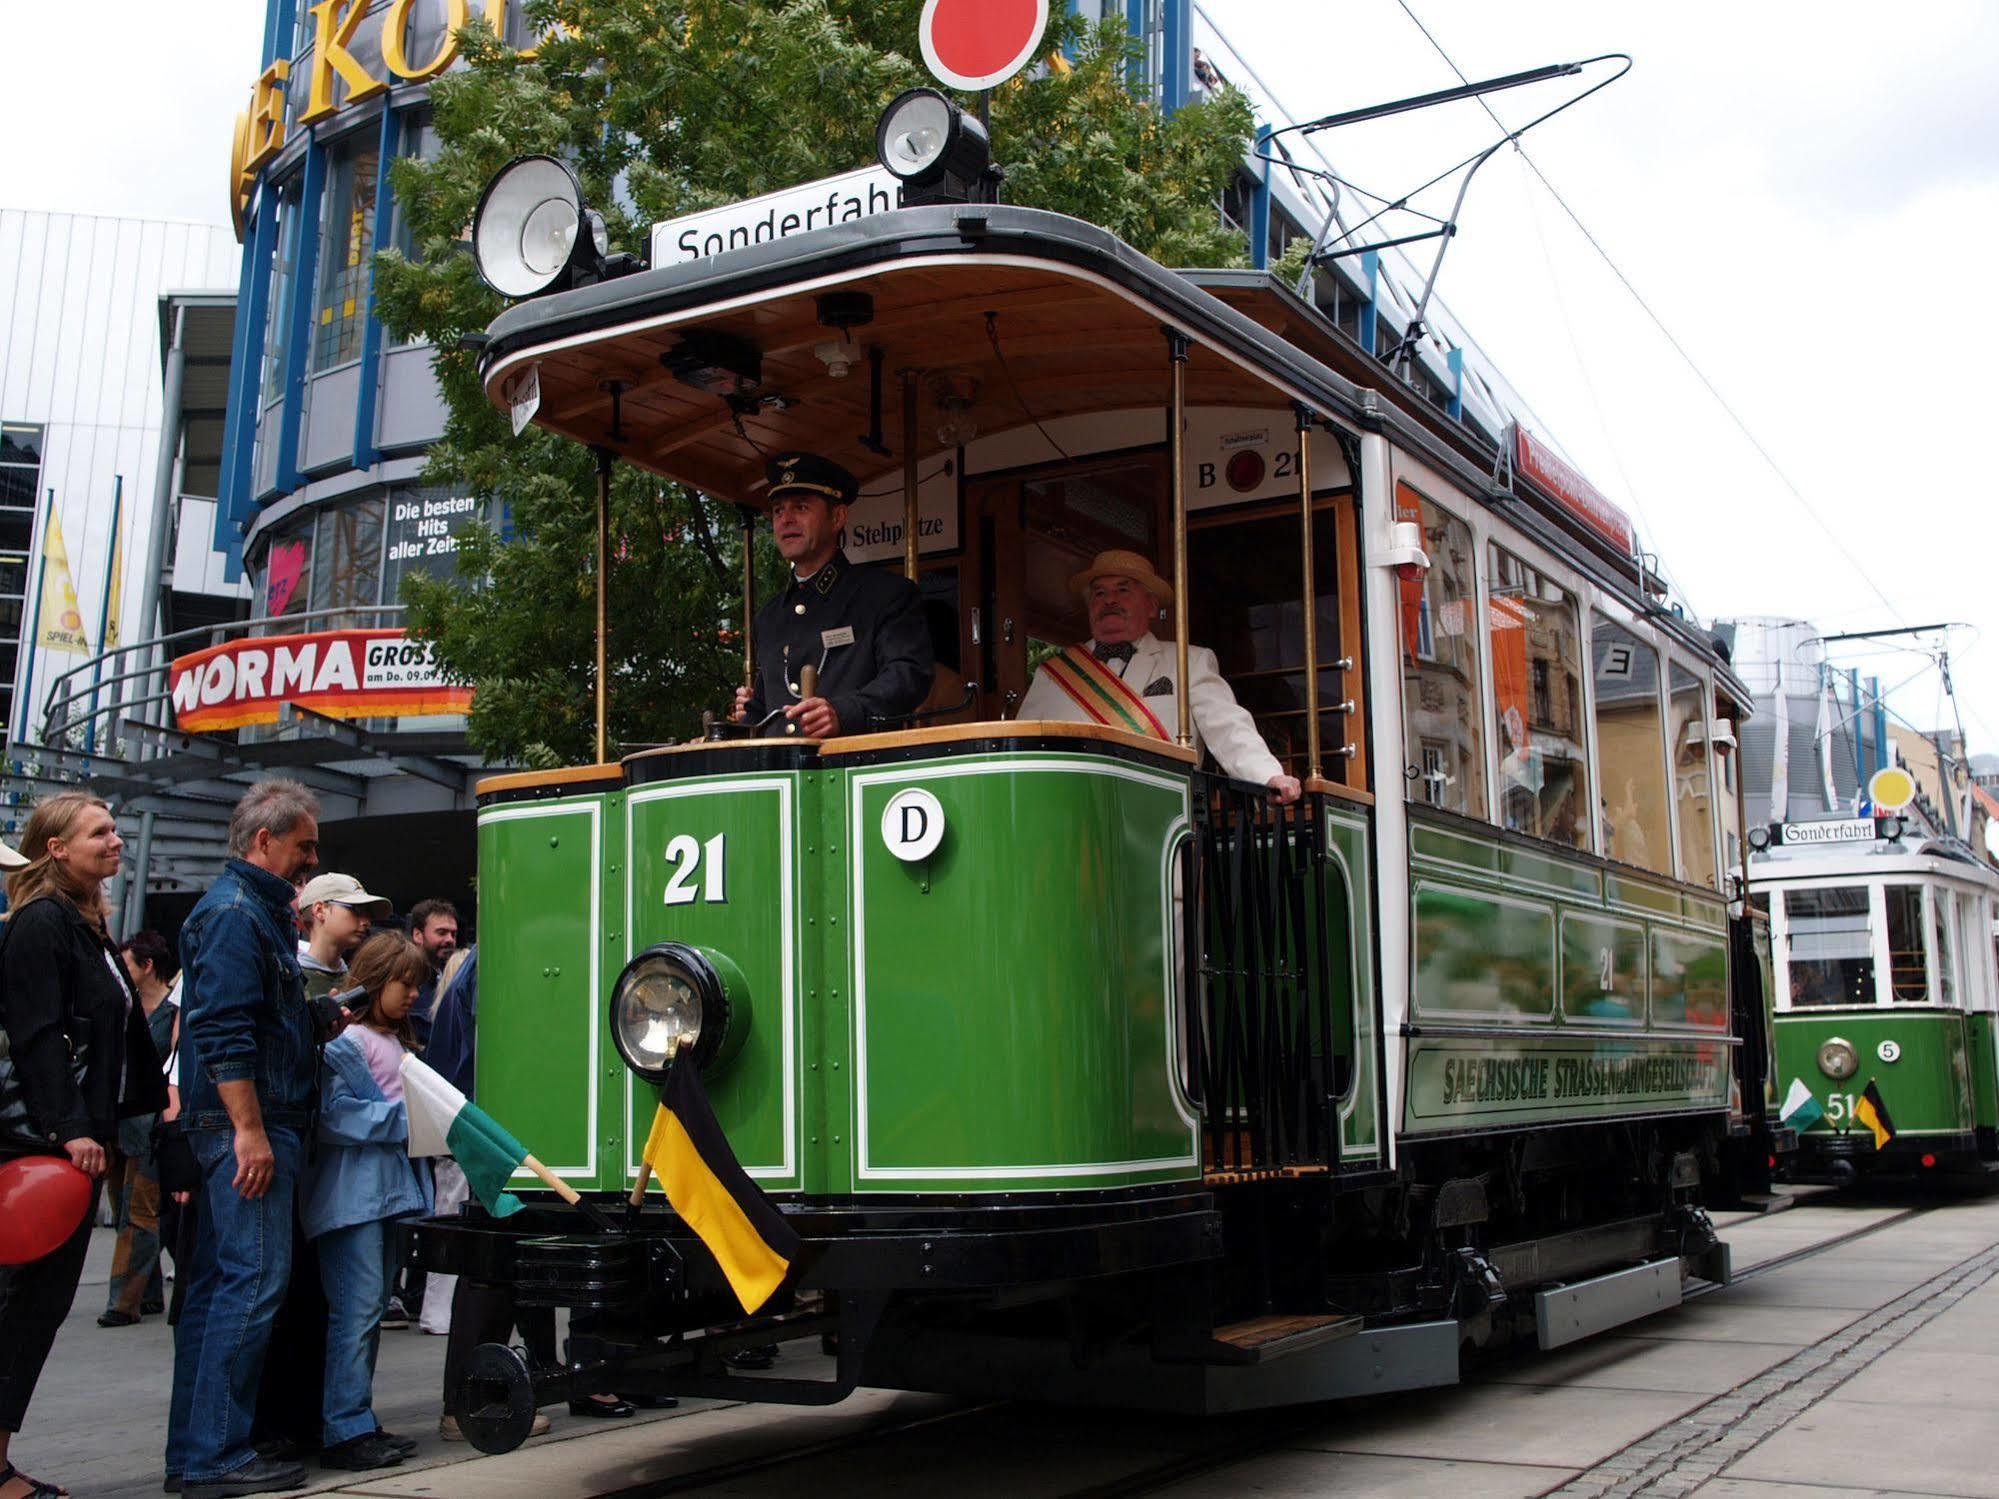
x=1539, y=463
x=340, y=673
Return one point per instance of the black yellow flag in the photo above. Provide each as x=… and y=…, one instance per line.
x=1873, y=1113
x=709, y=1188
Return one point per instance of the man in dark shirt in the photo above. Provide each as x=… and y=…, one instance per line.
x=863, y=628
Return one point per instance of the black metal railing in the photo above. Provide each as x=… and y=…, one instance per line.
x=1266, y=934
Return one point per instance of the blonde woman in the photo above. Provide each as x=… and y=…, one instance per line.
x=82, y=1060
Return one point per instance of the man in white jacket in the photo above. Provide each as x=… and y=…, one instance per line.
x=1124, y=677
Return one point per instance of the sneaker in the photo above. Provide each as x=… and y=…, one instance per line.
x=394, y=1316
x=116, y=1318
x=152, y=1307
x=371, y=1449
x=448, y=1428
x=260, y=1475
x=761, y=1357
x=404, y=1445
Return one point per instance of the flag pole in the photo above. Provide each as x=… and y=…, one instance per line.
x=567, y=1193
x=111, y=560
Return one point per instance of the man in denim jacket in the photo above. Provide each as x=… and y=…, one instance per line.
x=249, y=1079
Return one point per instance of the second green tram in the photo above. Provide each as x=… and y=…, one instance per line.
x=1134, y=1087
x=1886, y=976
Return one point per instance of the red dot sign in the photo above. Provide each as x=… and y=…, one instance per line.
x=975, y=44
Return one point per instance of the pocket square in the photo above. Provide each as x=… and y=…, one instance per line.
x=1158, y=687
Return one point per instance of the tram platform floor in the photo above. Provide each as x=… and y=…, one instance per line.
x=1871, y=1367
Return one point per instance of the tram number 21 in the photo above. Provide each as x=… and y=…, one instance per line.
x=1839, y=1106
x=699, y=870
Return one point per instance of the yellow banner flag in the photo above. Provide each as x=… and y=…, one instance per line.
x=62, y=619
x=117, y=586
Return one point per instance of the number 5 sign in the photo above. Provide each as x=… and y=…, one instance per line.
x=975, y=44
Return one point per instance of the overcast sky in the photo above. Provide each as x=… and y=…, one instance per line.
x=1806, y=195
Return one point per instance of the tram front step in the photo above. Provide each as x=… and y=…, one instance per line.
x=1261, y=1339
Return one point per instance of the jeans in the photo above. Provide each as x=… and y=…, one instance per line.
x=356, y=1269
x=242, y=1263
x=135, y=1262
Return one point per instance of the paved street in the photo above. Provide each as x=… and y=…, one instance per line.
x=1872, y=1367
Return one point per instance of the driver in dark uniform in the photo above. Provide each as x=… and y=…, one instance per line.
x=863, y=628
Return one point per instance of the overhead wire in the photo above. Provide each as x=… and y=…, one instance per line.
x=1658, y=322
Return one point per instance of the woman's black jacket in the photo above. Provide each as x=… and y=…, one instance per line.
x=76, y=1030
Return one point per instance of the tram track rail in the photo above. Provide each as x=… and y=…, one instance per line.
x=1268, y=1431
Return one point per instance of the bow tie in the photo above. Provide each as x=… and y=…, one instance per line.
x=1123, y=651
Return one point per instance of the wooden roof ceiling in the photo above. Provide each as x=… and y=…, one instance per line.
x=1071, y=343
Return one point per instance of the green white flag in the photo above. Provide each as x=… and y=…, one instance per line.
x=444, y=1121
x=1800, y=1111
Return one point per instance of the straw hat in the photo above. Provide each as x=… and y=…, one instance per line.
x=1122, y=564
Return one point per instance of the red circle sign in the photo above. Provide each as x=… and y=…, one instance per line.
x=975, y=44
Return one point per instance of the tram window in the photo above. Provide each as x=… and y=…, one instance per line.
x=1535, y=634
x=1244, y=603
x=1072, y=517
x=1628, y=738
x=1441, y=713
x=1831, y=956
x=1693, y=786
x=1942, y=922
x=1908, y=976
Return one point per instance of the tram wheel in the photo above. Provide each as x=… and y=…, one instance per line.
x=497, y=1398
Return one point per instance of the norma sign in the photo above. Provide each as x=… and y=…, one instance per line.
x=340, y=673
x=774, y=216
x=978, y=44
x=1538, y=462
x=1834, y=830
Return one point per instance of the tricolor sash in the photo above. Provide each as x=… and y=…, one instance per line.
x=1103, y=696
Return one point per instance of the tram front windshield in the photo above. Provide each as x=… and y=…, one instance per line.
x=1831, y=953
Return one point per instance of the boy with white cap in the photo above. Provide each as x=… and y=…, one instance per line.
x=339, y=913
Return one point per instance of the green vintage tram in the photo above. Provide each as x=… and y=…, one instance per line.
x=1136, y=1088
x=1886, y=979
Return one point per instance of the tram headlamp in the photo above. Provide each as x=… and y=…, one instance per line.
x=676, y=1000
x=939, y=153
x=1837, y=1059
x=531, y=232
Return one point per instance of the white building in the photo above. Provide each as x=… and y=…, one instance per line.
x=80, y=400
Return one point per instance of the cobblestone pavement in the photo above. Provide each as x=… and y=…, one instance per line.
x=1872, y=1367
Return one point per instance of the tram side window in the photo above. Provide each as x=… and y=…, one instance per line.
x=1244, y=598
x=1693, y=786
x=1942, y=922
x=1831, y=952
x=1908, y=978
x=1535, y=634
x=1441, y=714
x=1629, y=742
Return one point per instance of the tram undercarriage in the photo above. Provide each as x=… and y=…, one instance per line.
x=1247, y=1295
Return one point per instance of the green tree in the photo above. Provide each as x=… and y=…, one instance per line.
x=665, y=109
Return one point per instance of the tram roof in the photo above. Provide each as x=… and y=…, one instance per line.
x=1946, y=858
x=1080, y=318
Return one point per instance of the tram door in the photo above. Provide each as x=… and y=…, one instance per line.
x=1034, y=532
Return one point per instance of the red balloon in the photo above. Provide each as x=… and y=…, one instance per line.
x=975, y=44
x=42, y=1202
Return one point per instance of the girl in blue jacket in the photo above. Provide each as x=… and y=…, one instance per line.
x=362, y=1180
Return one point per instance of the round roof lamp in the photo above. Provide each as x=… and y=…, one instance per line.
x=531, y=229
x=939, y=153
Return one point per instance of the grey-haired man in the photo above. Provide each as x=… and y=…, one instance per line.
x=249, y=1074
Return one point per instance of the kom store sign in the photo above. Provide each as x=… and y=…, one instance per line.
x=340, y=673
